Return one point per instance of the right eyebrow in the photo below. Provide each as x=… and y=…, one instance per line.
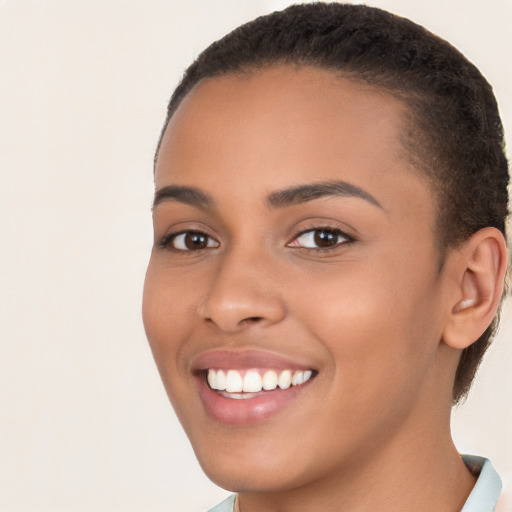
x=182, y=194
x=312, y=191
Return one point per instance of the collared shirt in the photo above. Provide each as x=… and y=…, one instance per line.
x=487, y=490
x=483, y=497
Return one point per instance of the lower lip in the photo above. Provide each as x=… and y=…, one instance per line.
x=247, y=411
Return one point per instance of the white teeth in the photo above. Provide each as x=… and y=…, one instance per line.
x=238, y=396
x=221, y=380
x=269, y=380
x=285, y=379
x=212, y=379
x=252, y=382
x=232, y=382
x=298, y=378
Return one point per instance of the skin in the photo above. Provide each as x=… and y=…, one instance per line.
x=371, y=314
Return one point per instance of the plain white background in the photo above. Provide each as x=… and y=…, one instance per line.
x=84, y=421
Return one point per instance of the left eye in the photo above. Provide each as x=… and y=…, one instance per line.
x=192, y=241
x=323, y=238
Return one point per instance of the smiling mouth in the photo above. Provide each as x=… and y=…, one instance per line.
x=246, y=384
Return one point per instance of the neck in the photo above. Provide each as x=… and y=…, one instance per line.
x=421, y=472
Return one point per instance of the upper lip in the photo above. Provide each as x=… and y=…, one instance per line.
x=245, y=360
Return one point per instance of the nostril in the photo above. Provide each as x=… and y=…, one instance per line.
x=253, y=319
x=245, y=321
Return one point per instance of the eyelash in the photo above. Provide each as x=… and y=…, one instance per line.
x=170, y=239
x=331, y=231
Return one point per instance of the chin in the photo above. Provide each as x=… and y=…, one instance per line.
x=248, y=476
x=258, y=464
x=238, y=465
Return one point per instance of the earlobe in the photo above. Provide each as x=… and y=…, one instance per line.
x=479, y=281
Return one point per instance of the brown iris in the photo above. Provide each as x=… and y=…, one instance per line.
x=325, y=238
x=195, y=241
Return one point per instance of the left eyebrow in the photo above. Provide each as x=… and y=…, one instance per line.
x=186, y=195
x=310, y=192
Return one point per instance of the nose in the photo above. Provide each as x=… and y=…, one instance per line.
x=243, y=293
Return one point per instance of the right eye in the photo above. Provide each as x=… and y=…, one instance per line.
x=189, y=241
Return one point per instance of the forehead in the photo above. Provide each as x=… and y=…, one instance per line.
x=281, y=126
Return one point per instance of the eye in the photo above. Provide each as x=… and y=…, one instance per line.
x=189, y=241
x=320, y=238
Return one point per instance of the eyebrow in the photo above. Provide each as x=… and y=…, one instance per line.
x=279, y=199
x=181, y=194
x=310, y=192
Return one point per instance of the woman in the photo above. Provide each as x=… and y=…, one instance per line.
x=329, y=258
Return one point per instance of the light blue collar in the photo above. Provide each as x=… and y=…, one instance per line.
x=228, y=505
x=487, y=490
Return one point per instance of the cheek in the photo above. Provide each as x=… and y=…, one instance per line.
x=164, y=309
x=377, y=322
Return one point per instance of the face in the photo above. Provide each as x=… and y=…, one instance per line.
x=294, y=269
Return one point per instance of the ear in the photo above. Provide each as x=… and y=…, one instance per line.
x=480, y=269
